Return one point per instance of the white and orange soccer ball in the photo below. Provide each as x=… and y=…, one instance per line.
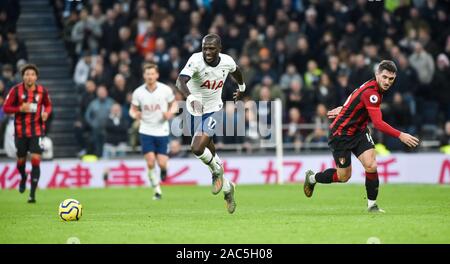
x=70, y=210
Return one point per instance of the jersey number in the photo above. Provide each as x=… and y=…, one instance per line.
x=370, y=139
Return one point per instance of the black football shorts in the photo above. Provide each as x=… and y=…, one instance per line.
x=343, y=146
x=28, y=144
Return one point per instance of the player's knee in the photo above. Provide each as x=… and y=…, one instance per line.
x=21, y=161
x=371, y=167
x=150, y=164
x=197, y=150
x=35, y=161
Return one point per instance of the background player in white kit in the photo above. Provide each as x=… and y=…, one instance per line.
x=201, y=81
x=153, y=103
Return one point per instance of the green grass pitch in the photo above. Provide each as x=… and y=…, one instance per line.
x=265, y=214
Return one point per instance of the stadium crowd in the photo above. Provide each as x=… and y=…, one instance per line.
x=309, y=53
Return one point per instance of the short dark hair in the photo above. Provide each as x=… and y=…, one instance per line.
x=213, y=37
x=147, y=66
x=387, y=65
x=29, y=67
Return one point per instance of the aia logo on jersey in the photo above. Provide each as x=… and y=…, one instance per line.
x=152, y=107
x=212, y=85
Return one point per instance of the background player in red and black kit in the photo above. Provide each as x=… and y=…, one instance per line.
x=31, y=105
x=349, y=133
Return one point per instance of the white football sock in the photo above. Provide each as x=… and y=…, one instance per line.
x=217, y=162
x=207, y=159
x=226, y=185
x=152, y=177
x=217, y=159
x=371, y=203
x=312, y=178
x=158, y=189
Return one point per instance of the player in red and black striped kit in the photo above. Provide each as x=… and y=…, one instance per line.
x=31, y=105
x=349, y=133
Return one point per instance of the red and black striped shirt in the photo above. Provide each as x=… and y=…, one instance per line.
x=28, y=124
x=362, y=104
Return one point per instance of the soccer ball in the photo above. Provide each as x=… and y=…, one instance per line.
x=70, y=210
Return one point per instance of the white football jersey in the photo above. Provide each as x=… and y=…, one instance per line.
x=152, y=106
x=206, y=82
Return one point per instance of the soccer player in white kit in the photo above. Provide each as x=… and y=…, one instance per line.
x=201, y=81
x=153, y=104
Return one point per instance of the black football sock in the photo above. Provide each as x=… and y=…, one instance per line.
x=21, y=169
x=372, y=184
x=327, y=176
x=163, y=174
x=35, y=174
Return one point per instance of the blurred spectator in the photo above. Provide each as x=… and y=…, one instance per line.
x=86, y=33
x=423, y=63
x=343, y=87
x=96, y=116
x=321, y=123
x=15, y=49
x=119, y=90
x=292, y=36
x=192, y=41
x=81, y=126
x=146, y=41
x=311, y=28
x=125, y=41
x=83, y=69
x=275, y=90
x=111, y=65
x=265, y=70
x=300, y=98
x=280, y=57
x=248, y=71
x=440, y=84
x=360, y=72
x=8, y=78
x=167, y=32
x=252, y=46
x=116, y=134
x=110, y=32
x=293, y=133
x=162, y=59
x=325, y=93
x=290, y=75
x=399, y=116
x=98, y=74
x=415, y=21
x=312, y=75
x=301, y=55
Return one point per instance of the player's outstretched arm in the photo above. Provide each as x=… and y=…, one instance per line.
x=182, y=85
x=334, y=113
x=377, y=120
x=238, y=77
x=409, y=140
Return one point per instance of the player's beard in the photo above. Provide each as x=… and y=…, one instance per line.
x=29, y=84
